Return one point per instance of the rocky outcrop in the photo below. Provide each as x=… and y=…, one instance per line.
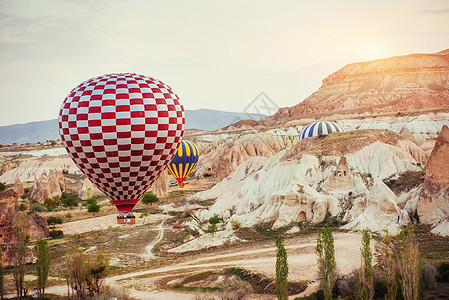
x=378, y=212
x=402, y=83
x=406, y=133
x=222, y=157
x=30, y=169
x=160, y=186
x=5, y=167
x=315, y=178
x=48, y=186
x=18, y=187
x=37, y=226
x=86, y=191
x=433, y=203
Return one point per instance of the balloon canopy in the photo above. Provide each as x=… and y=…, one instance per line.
x=184, y=161
x=319, y=128
x=122, y=130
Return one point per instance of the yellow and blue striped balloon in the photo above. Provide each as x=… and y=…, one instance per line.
x=184, y=161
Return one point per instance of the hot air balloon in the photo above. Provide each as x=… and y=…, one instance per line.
x=184, y=161
x=122, y=130
x=319, y=128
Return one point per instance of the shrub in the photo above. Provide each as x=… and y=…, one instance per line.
x=93, y=207
x=428, y=275
x=56, y=234
x=37, y=207
x=234, y=289
x=212, y=228
x=149, y=198
x=65, y=172
x=214, y=220
x=52, y=221
x=52, y=203
x=68, y=216
x=22, y=206
x=69, y=200
x=2, y=186
x=235, y=224
x=443, y=272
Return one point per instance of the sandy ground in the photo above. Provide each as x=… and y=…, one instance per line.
x=106, y=222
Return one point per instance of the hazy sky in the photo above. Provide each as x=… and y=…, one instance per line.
x=214, y=54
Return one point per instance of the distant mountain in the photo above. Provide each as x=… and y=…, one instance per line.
x=204, y=119
x=401, y=83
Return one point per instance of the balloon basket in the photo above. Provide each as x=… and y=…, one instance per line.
x=126, y=219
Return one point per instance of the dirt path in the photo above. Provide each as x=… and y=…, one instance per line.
x=147, y=254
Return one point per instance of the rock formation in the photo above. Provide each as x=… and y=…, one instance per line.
x=221, y=158
x=18, y=187
x=378, y=212
x=5, y=167
x=160, y=186
x=30, y=169
x=433, y=203
x=48, y=186
x=37, y=226
x=86, y=191
x=317, y=177
x=401, y=83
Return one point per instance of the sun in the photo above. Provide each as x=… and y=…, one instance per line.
x=371, y=50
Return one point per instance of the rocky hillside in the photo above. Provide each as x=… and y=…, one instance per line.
x=401, y=83
x=340, y=175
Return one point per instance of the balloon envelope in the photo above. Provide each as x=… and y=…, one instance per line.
x=319, y=128
x=184, y=161
x=122, y=130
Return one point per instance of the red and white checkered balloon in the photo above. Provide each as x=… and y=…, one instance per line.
x=122, y=130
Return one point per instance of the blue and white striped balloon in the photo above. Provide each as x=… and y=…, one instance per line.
x=319, y=128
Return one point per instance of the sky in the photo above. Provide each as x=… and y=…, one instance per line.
x=214, y=54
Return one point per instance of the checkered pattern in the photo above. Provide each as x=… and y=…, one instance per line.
x=122, y=130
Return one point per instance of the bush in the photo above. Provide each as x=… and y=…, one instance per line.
x=214, y=220
x=69, y=200
x=235, y=288
x=37, y=207
x=443, y=272
x=2, y=186
x=93, y=207
x=56, y=234
x=52, y=203
x=149, y=198
x=235, y=224
x=428, y=275
x=52, y=221
x=212, y=228
x=22, y=206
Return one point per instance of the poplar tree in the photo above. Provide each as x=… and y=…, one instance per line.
x=367, y=268
x=42, y=264
x=20, y=232
x=388, y=256
x=326, y=261
x=281, y=270
x=409, y=265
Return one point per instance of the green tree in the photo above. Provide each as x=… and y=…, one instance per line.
x=409, y=264
x=96, y=273
x=52, y=221
x=2, y=186
x=388, y=257
x=68, y=216
x=212, y=228
x=367, y=268
x=42, y=264
x=93, y=207
x=76, y=272
x=20, y=232
x=2, y=272
x=281, y=270
x=326, y=261
x=149, y=198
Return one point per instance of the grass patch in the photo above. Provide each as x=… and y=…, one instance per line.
x=405, y=181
